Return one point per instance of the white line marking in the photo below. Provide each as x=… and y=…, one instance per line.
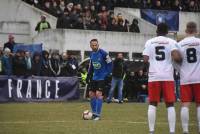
x=62, y=121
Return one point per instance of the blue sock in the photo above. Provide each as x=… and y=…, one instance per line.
x=99, y=103
x=93, y=104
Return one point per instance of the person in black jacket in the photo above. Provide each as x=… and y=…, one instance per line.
x=54, y=64
x=142, y=82
x=11, y=43
x=118, y=71
x=65, y=66
x=134, y=26
x=19, y=63
x=45, y=64
x=36, y=64
x=73, y=64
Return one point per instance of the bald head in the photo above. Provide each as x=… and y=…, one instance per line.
x=191, y=28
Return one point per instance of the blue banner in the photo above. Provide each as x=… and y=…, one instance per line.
x=38, y=89
x=28, y=47
x=171, y=18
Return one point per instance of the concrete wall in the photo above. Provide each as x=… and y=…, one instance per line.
x=21, y=30
x=184, y=17
x=79, y=40
x=15, y=14
x=130, y=14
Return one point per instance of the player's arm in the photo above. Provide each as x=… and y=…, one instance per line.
x=175, y=54
x=146, y=53
x=108, y=61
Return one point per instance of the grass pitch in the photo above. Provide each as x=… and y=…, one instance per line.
x=65, y=118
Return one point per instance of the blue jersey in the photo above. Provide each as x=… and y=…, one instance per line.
x=100, y=64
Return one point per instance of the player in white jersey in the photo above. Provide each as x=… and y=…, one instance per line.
x=189, y=74
x=159, y=52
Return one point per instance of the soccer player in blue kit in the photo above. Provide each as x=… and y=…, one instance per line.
x=100, y=67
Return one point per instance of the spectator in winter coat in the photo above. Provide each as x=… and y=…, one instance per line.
x=7, y=62
x=134, y=26
x=11, y=43
x=43, y=24
x=118, y=71
x=45, y=64
x=36, y=64
x=54, y=64
x=19, y=63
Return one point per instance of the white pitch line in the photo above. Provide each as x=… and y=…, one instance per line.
x=62, y=121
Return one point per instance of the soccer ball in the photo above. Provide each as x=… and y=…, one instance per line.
x=87, y=115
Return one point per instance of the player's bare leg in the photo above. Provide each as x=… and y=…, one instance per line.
x=185, y=116
x=152, y=116
x=171, y=114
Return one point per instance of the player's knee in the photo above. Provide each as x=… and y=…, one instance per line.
x=99, y=95
x=185, y=104
x=154, y=104
x=169, y=104
x=91, y=94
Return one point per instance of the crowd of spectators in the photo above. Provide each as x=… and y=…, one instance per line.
x=86, y=14
x=98, y=14
x=25, y=63
x=56, y=7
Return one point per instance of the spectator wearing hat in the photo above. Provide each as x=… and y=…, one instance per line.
x=54, y=64
x=36, y=64
x=19, y=63
x=11, y=43
x=43, y=24
x=45, y=64
x=134, y=26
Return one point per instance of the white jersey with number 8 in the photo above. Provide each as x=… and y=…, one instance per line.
x=159, y=51
x=190, y=67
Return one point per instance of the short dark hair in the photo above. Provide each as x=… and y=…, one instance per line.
x=162, y=29
x=191, y=27
x=93, y=40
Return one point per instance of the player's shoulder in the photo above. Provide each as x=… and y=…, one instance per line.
x=171, y=40
x=159, y=39
x=188, y=40
x=148, y=42
x=102, y=51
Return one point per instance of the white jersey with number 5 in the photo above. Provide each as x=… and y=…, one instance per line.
x=190, y=67
x=159, y=51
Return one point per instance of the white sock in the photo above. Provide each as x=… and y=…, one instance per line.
x=198, y=117
x=185, y=118
x=151, y=117
x=171, y=119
